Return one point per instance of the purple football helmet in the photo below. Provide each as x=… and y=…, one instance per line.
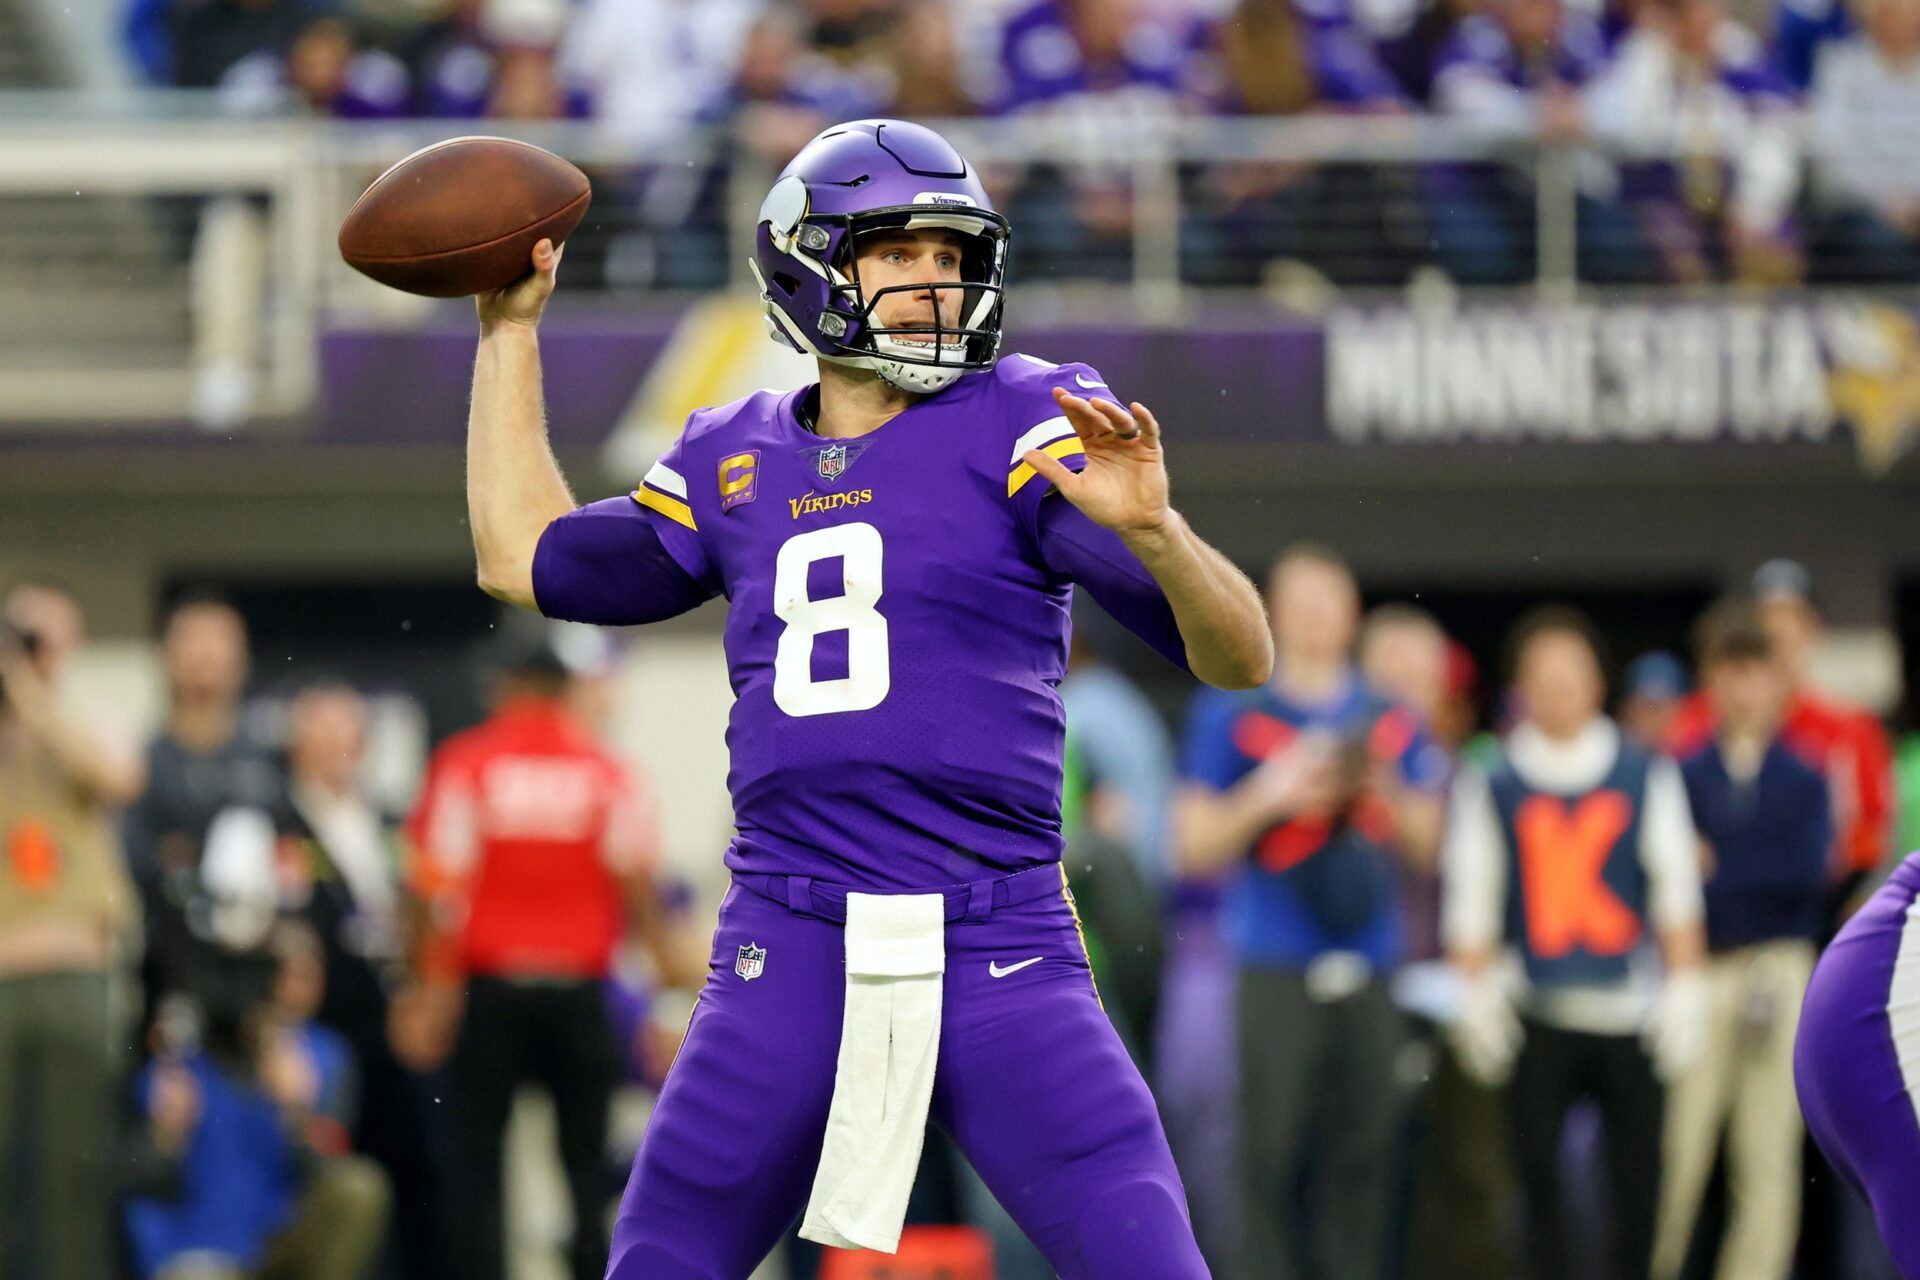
x=873, y=175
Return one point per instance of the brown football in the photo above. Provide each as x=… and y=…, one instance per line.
x=462, y=216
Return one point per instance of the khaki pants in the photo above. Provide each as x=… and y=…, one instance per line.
x=338, y=1228
x=1742, y=1087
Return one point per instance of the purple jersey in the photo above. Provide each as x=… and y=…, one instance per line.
x=898, y=621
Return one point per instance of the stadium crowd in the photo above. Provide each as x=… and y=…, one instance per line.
x=1741, y=142
x=1436, y=973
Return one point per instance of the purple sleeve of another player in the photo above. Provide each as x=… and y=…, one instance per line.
x=1075, y=547
x=607, y=563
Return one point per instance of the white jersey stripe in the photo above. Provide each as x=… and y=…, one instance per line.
x=1045, y=433
x=667, y=480
x=1903, y=1006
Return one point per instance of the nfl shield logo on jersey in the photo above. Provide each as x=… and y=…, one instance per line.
x=832, y=461
x=752, y=960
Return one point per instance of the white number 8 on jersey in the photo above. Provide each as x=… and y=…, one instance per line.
x=869, y=674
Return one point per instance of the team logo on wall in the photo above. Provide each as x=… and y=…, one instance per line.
x=832, y=462
x=752, y=961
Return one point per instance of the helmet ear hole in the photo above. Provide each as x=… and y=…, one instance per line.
x=785, y=283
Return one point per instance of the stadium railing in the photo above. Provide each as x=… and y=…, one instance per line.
x=161, y=261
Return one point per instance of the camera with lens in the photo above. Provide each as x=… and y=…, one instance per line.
x=15, y=636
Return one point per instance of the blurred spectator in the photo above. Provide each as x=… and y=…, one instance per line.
x=651, y=66
x=1308, y=792
x=200, y=765
x=1124, y=748
x=1688, y=80
x=536, y=846
x=784, y=93
x=1575, y=851
x=1403, y=657
x=1801, y=30
x=1461, y=1178
x=1517, y=70
x=348, y=878
x=245, y=1163
x=210, y=37
x=1846, y=743
x=1277, y=59
x=1866, y=111
x=1404, y=654
x=1099, y=72
x=1765, y=820
x=1281, y=58
x=926, y=61
x=494, y=58
x=1119, y=838
x=450, y=61
x=66, y=905
x=328, y=74
x=1406, y=48
x=1084, y=62
x=1651, y=693
x=899, y=55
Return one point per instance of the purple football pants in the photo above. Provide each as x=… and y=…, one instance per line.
x=1856, y=1061
x=1032, y=1084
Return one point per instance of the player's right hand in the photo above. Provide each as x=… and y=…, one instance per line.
x=522, y=301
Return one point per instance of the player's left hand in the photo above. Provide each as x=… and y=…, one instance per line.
x=1124, y=485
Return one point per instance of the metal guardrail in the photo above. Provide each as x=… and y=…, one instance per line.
x=696, y=205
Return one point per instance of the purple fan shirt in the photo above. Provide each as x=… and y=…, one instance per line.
x=898, y=621
x=1481, y=47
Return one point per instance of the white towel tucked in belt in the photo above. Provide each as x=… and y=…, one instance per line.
x=889, y=1041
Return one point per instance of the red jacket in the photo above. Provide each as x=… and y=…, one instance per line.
x=1845, y=743
x=523, y=832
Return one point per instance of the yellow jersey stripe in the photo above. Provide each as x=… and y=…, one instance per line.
x=1080, y=932
x=1058, y=449
x=670, y=507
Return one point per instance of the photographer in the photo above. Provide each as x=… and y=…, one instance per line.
x=65, y=910
x=244, y=1166
x=1305, y=793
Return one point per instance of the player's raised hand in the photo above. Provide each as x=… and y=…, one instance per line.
x=522, y=301
x=1124, y=485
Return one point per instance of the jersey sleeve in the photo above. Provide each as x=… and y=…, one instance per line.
x=623, y=561
x=1039, y=424
x=1078, y=549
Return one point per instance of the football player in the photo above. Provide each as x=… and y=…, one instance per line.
x=1856, y=1059
x=899, y=573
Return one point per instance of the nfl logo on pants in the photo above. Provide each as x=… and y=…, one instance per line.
x=752, y=960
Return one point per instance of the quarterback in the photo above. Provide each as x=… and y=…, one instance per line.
x=898, y=544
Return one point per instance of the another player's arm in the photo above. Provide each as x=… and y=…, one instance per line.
x=514, y=486
x=1123, y=487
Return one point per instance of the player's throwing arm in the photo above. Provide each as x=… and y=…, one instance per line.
x=1124, y=488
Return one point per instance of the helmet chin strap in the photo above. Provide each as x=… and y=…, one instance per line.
x=908, y=375
x=922, y=379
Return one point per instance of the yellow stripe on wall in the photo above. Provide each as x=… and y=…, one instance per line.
x=672, y=508
x=1058, y=449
